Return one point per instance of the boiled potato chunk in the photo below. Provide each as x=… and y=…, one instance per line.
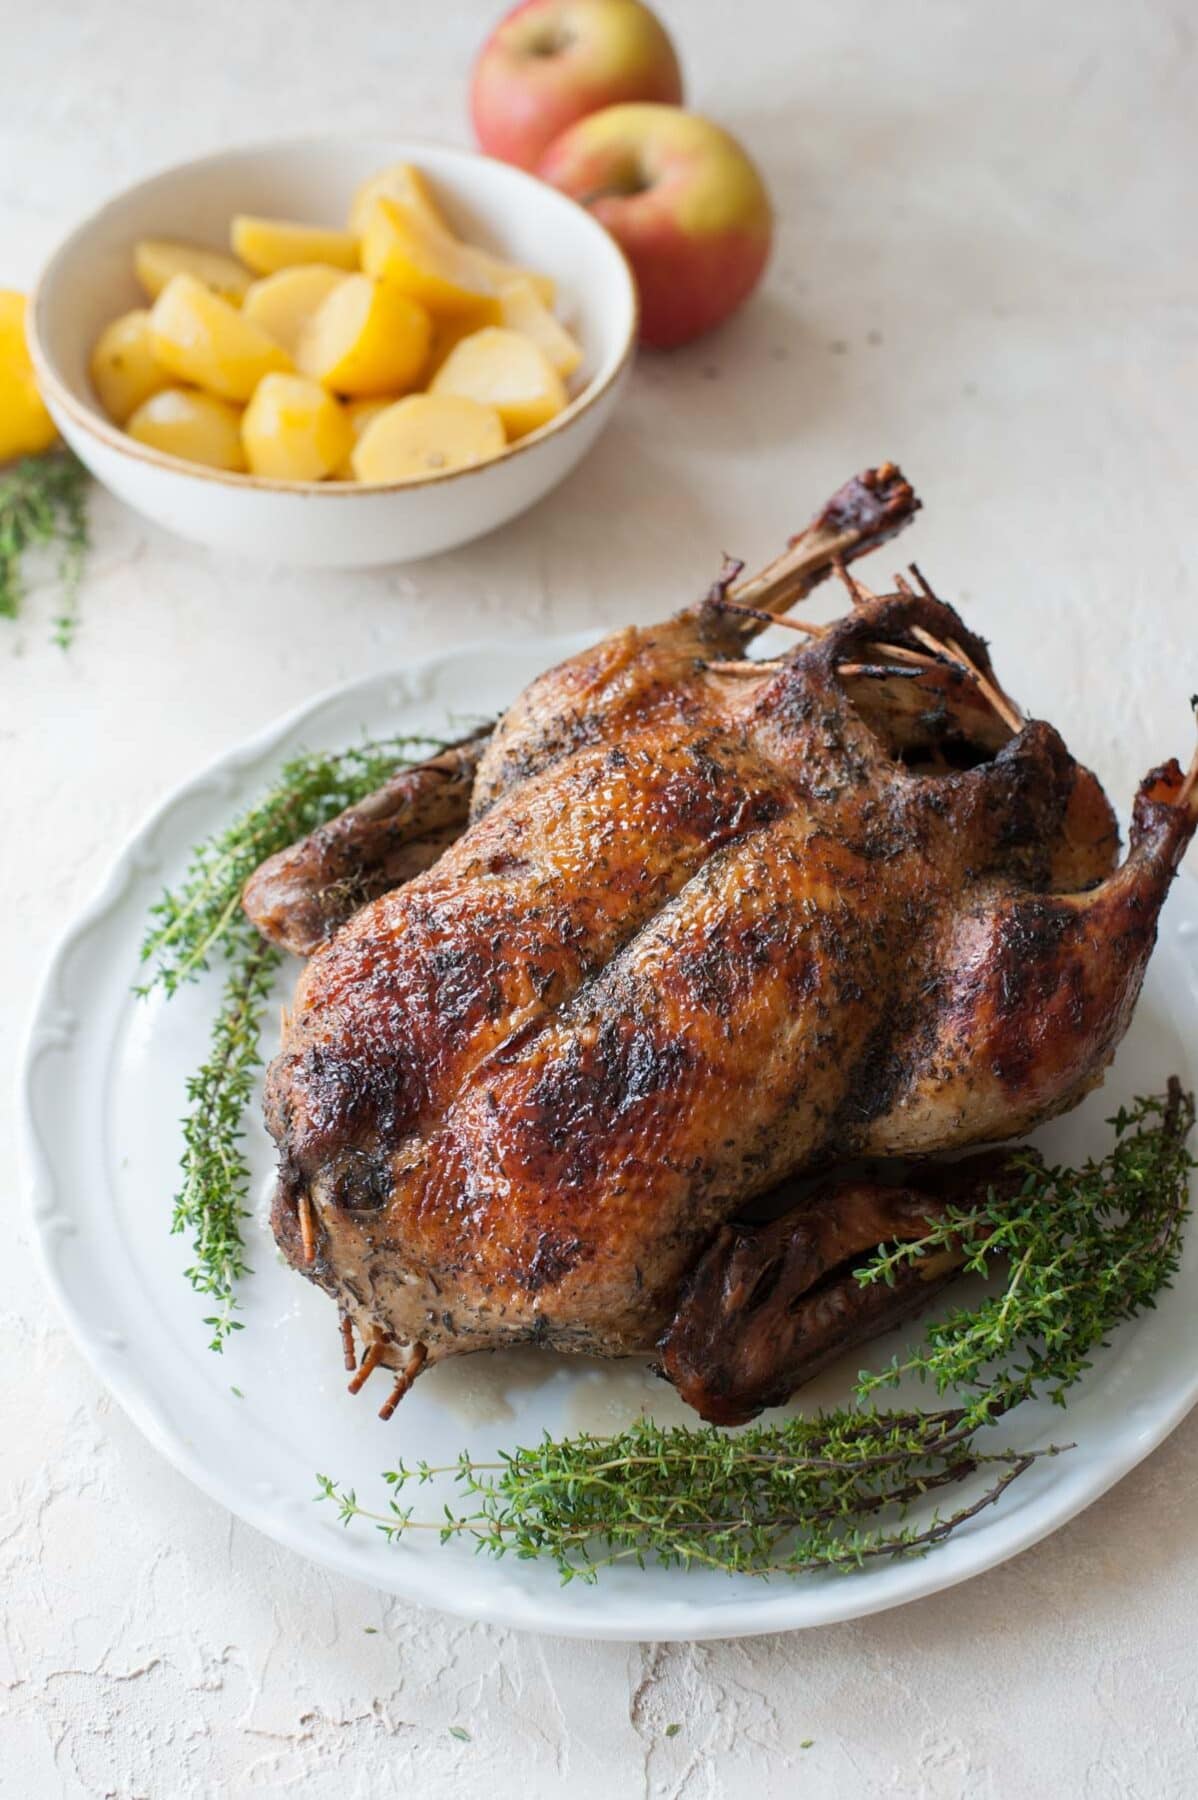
x=400, y=247
x=124, y=369
x=523, y=311
x=268, y=245
x=359, y=413
x=197, y=427
x=427, y=434
x=156, y=260
x=406, y=184
x=282, y=304
x=503, y=369
x=201, y=338
x=25, y=426
x=446, y=334
x=294, y=431
x=398, y=182
x=499, y=272
x=367, y=338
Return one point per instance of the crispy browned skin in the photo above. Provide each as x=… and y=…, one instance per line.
x=768, y=1306
x=706, y=930
x=299, y=897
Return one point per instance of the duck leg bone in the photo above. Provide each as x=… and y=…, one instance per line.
x=861, y=516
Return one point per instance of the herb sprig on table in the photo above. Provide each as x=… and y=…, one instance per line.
x=43, y=500
x=202, y=923
x=1083, y=1250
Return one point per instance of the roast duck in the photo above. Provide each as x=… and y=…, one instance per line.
x=599, y=1000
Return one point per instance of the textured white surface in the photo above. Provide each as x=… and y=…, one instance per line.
x=985, y=268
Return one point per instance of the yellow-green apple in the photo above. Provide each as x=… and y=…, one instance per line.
x=684, y=202
x=550, y=62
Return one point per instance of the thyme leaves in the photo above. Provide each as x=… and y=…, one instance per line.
x=210, y=1202
x=1085, y=1249
x=43, y=501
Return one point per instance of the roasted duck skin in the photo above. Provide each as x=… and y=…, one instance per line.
x=712, y=924
x=768, y=1306
x=301, y=896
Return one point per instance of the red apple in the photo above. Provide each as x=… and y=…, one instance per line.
x=683, y=201
x=550, y=62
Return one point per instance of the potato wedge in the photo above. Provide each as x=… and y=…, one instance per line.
x=367, y=338
x=446, y=334
x=405, y=183
x=498, y=272
x=294, y=431
x=199, y=428
x=269, y=245
x=282, y=304
x=524, y=311
x=124, y=369
x=201, y=338
x=506, y=370
x=400, y=181
x=426, y=434
x=359, y=413
x=156, y=260
x=400, y=247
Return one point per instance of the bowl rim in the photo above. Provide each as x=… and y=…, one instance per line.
x=94, y=423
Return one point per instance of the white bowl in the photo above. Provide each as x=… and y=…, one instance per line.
x=89, y=280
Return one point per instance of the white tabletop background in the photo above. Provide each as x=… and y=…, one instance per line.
x=985, y=268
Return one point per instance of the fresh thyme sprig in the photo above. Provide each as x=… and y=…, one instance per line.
x=781, y=1499
x=43, y=500
x=202, y=921
x=216, y=1176
x=1085, y=1249
x=202, y=916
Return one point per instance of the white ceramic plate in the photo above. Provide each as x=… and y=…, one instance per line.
x=104, y=1091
